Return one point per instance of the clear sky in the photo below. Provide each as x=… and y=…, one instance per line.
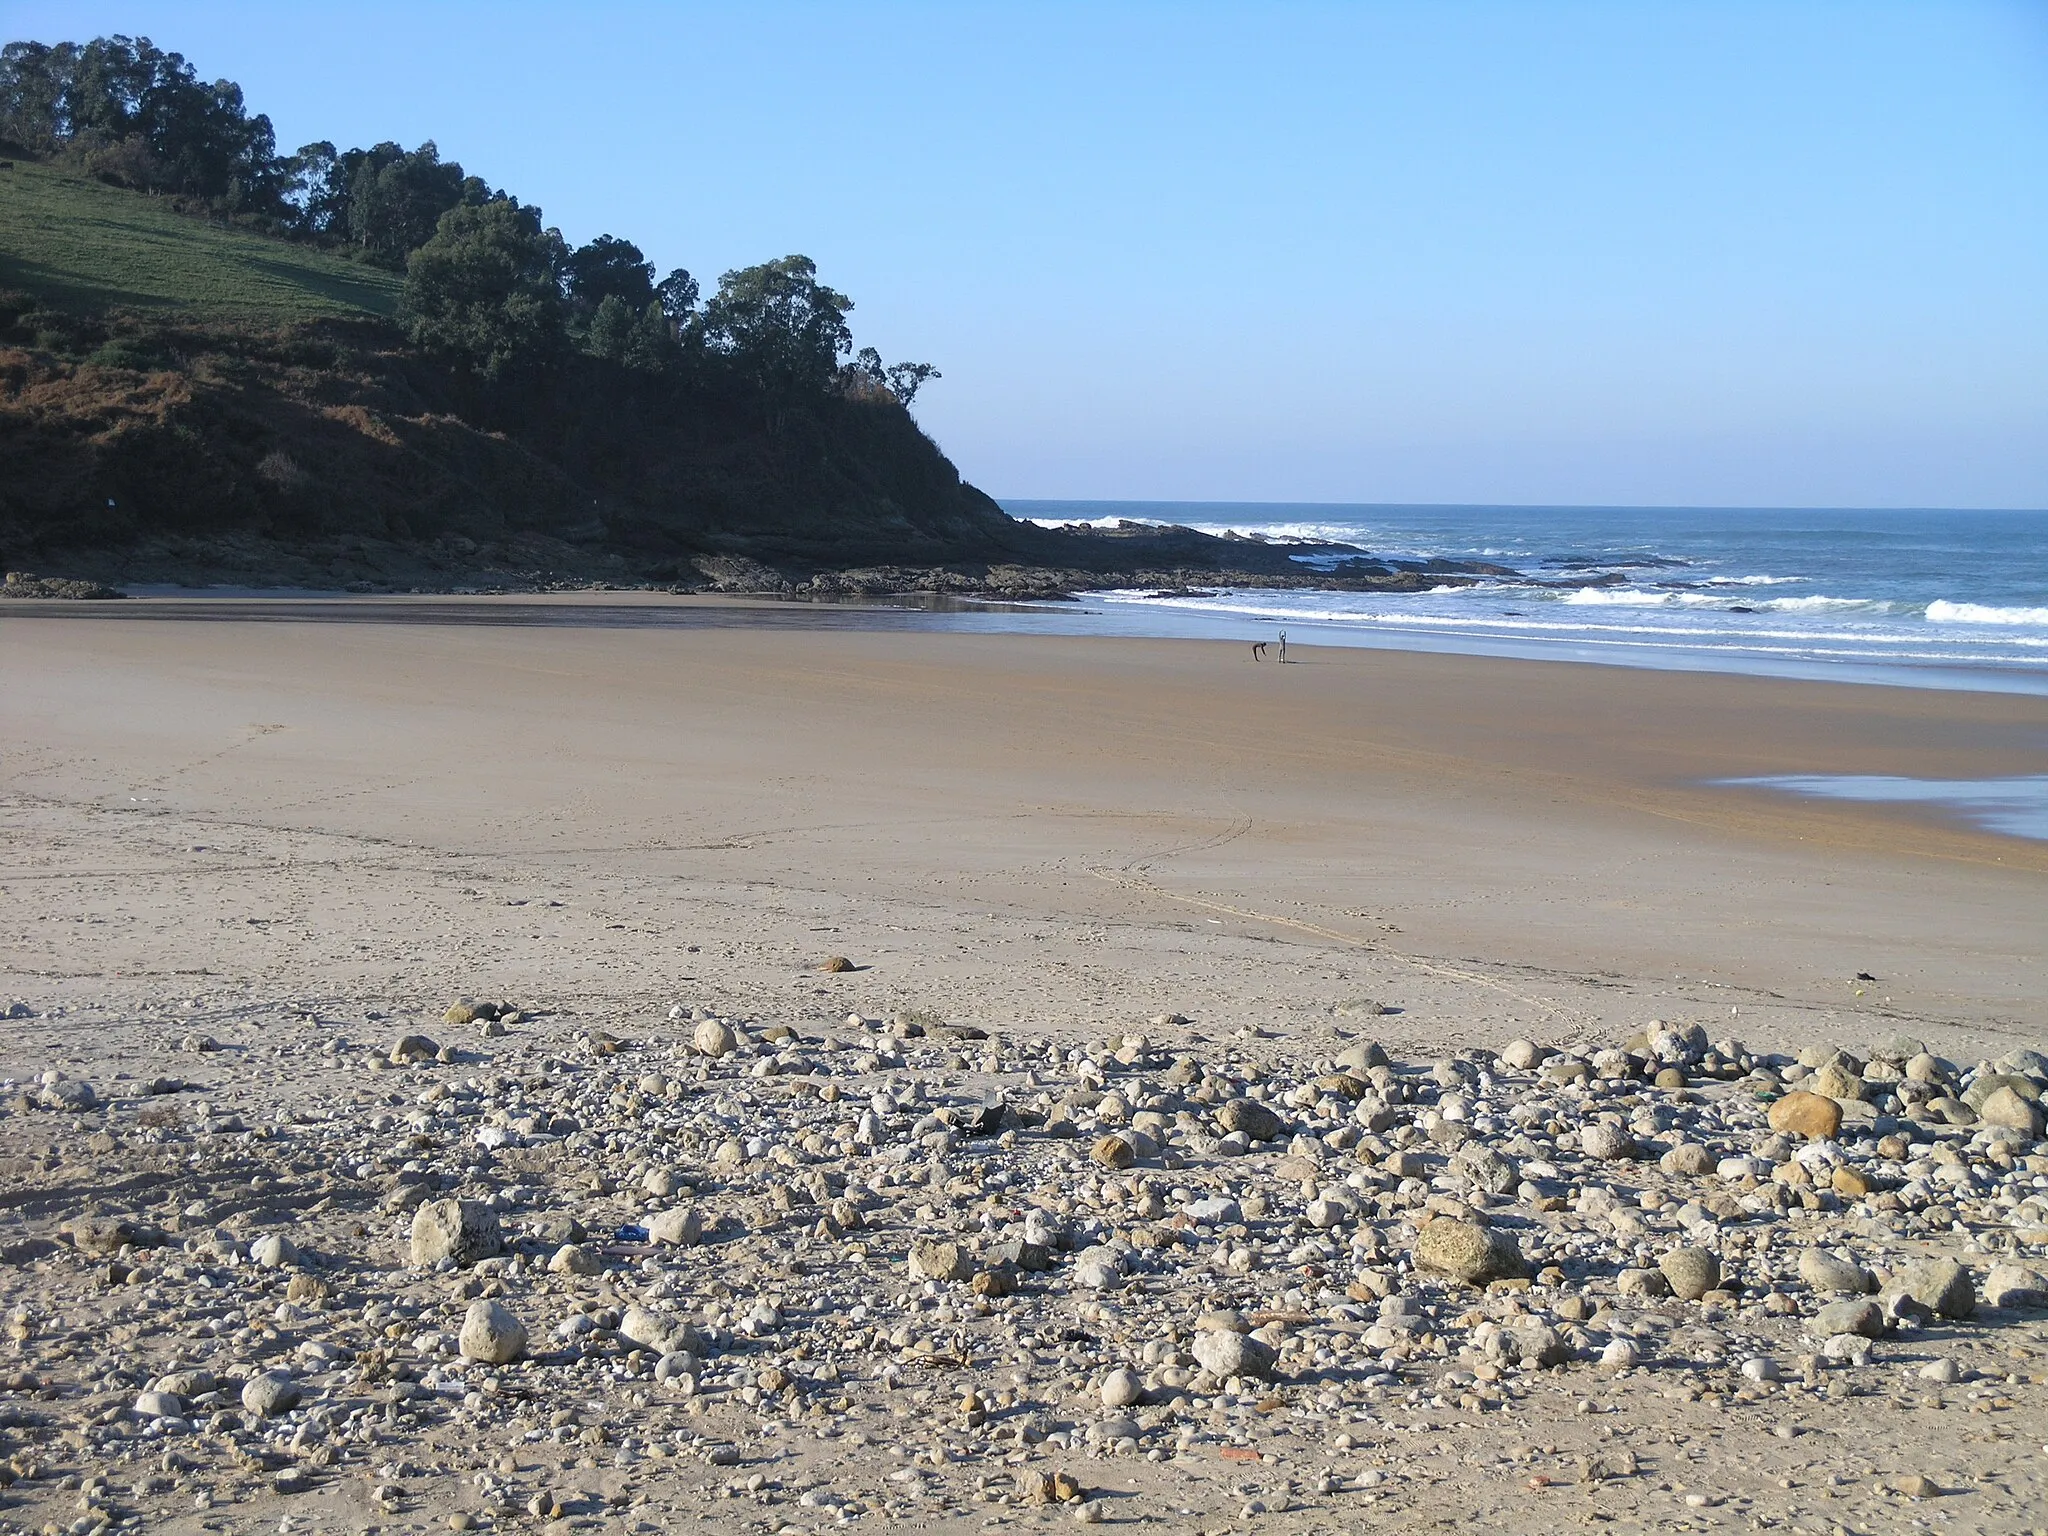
x=1780, y=253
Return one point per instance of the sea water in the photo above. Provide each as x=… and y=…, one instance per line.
x=1929, y=598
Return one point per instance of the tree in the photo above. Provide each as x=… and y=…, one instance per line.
x=903, y=380
x=652, y=347
x=34, y=82
x=906, y=379
x=485, y=288
x=779, y=326
x=611, y=328
x=678, y=295
x=608, y=268
x=133, y=113
x=396, y=198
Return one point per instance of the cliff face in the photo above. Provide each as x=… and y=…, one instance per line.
x=333, y=451
x=332, y=454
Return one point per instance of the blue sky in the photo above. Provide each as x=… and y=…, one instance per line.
x=1780, y=253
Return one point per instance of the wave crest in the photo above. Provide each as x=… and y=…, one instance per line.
x=1942, y=611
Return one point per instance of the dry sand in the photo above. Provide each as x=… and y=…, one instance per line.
x=269, y=837
x=1062, y=830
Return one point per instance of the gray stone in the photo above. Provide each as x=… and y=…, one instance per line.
x=574, y=1259
x=1215, y=1211
x=1941, y=1285
x=1988, y=1084
x=1606, y=1141
x=1642, y=1284
x=2025, y=1063
x=1527, y=1342
x=1361, y=1057
x=1121, y=1388
x=1224, y=1354
x=1253, y=1118
x=459, y=1230
x=1824, y=1271
x=1098, y=1269
x=675, y=1365
x=682, y=1227
x=1467, y=1251
x=409, y=1048
x=491, y=1334
x=158, y=1405
x=1485, y=1168
x=649, y=1329
x=1023, y=1254
x=2014, y=1285
x=69, y=1094
x=270, y=1395
x=105, y=1235
x=1690, y=1272
x=1857, y=1315
x=1687, y=1160
x=2008, y=1108
x=934, y=1259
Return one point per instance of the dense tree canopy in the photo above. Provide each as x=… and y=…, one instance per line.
x=486, y=289
x=486, y=281
x=142, y=117
x=779, y=326
x=608, y=268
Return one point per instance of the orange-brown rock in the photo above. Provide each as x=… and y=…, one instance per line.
x=1807, y=1114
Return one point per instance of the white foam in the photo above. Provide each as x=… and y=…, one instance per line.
x=1635, y=597
x=1617, y=597
x=1818, y=604
x=1754, y=581
x=1942, y=611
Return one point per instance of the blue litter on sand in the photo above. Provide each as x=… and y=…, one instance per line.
x=630, y=1234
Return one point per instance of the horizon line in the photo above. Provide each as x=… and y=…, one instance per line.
x=1513, y=506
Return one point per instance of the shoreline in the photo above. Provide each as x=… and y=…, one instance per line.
x=1542, y=815
x=944, y=613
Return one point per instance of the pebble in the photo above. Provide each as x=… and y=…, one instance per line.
x=1121, y=1388
x=1810, y=1115
x=1690, y=1272
x=996, y=1246
x=1467, y=1251
x=491, y=1333
x=714, y=1038
x=1941, y=1285
x=1224, y=1354
x=270, y=1394
x=454, y=1231
x=1825, y=1271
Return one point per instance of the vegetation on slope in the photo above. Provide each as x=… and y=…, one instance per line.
x=80, y=244
x=210, y=371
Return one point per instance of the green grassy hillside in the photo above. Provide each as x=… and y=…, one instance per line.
x=76, y=244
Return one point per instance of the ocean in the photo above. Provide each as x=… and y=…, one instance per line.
x=1926, y=598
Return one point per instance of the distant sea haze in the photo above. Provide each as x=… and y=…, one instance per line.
x=1940, y=598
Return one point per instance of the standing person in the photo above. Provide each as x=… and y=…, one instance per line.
x=1283, y=645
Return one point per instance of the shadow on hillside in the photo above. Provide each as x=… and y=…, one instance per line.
x=60, y=291
x=337, y=288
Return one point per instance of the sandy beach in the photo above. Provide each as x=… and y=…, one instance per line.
x=1071, y=830
x=970, y=1080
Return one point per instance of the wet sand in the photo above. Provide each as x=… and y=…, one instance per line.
x=1074, y=830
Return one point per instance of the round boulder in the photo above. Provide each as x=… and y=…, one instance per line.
x=491, y=1334
x=1467, y=1251
x=1811, y=1115
x=1690, y=1272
